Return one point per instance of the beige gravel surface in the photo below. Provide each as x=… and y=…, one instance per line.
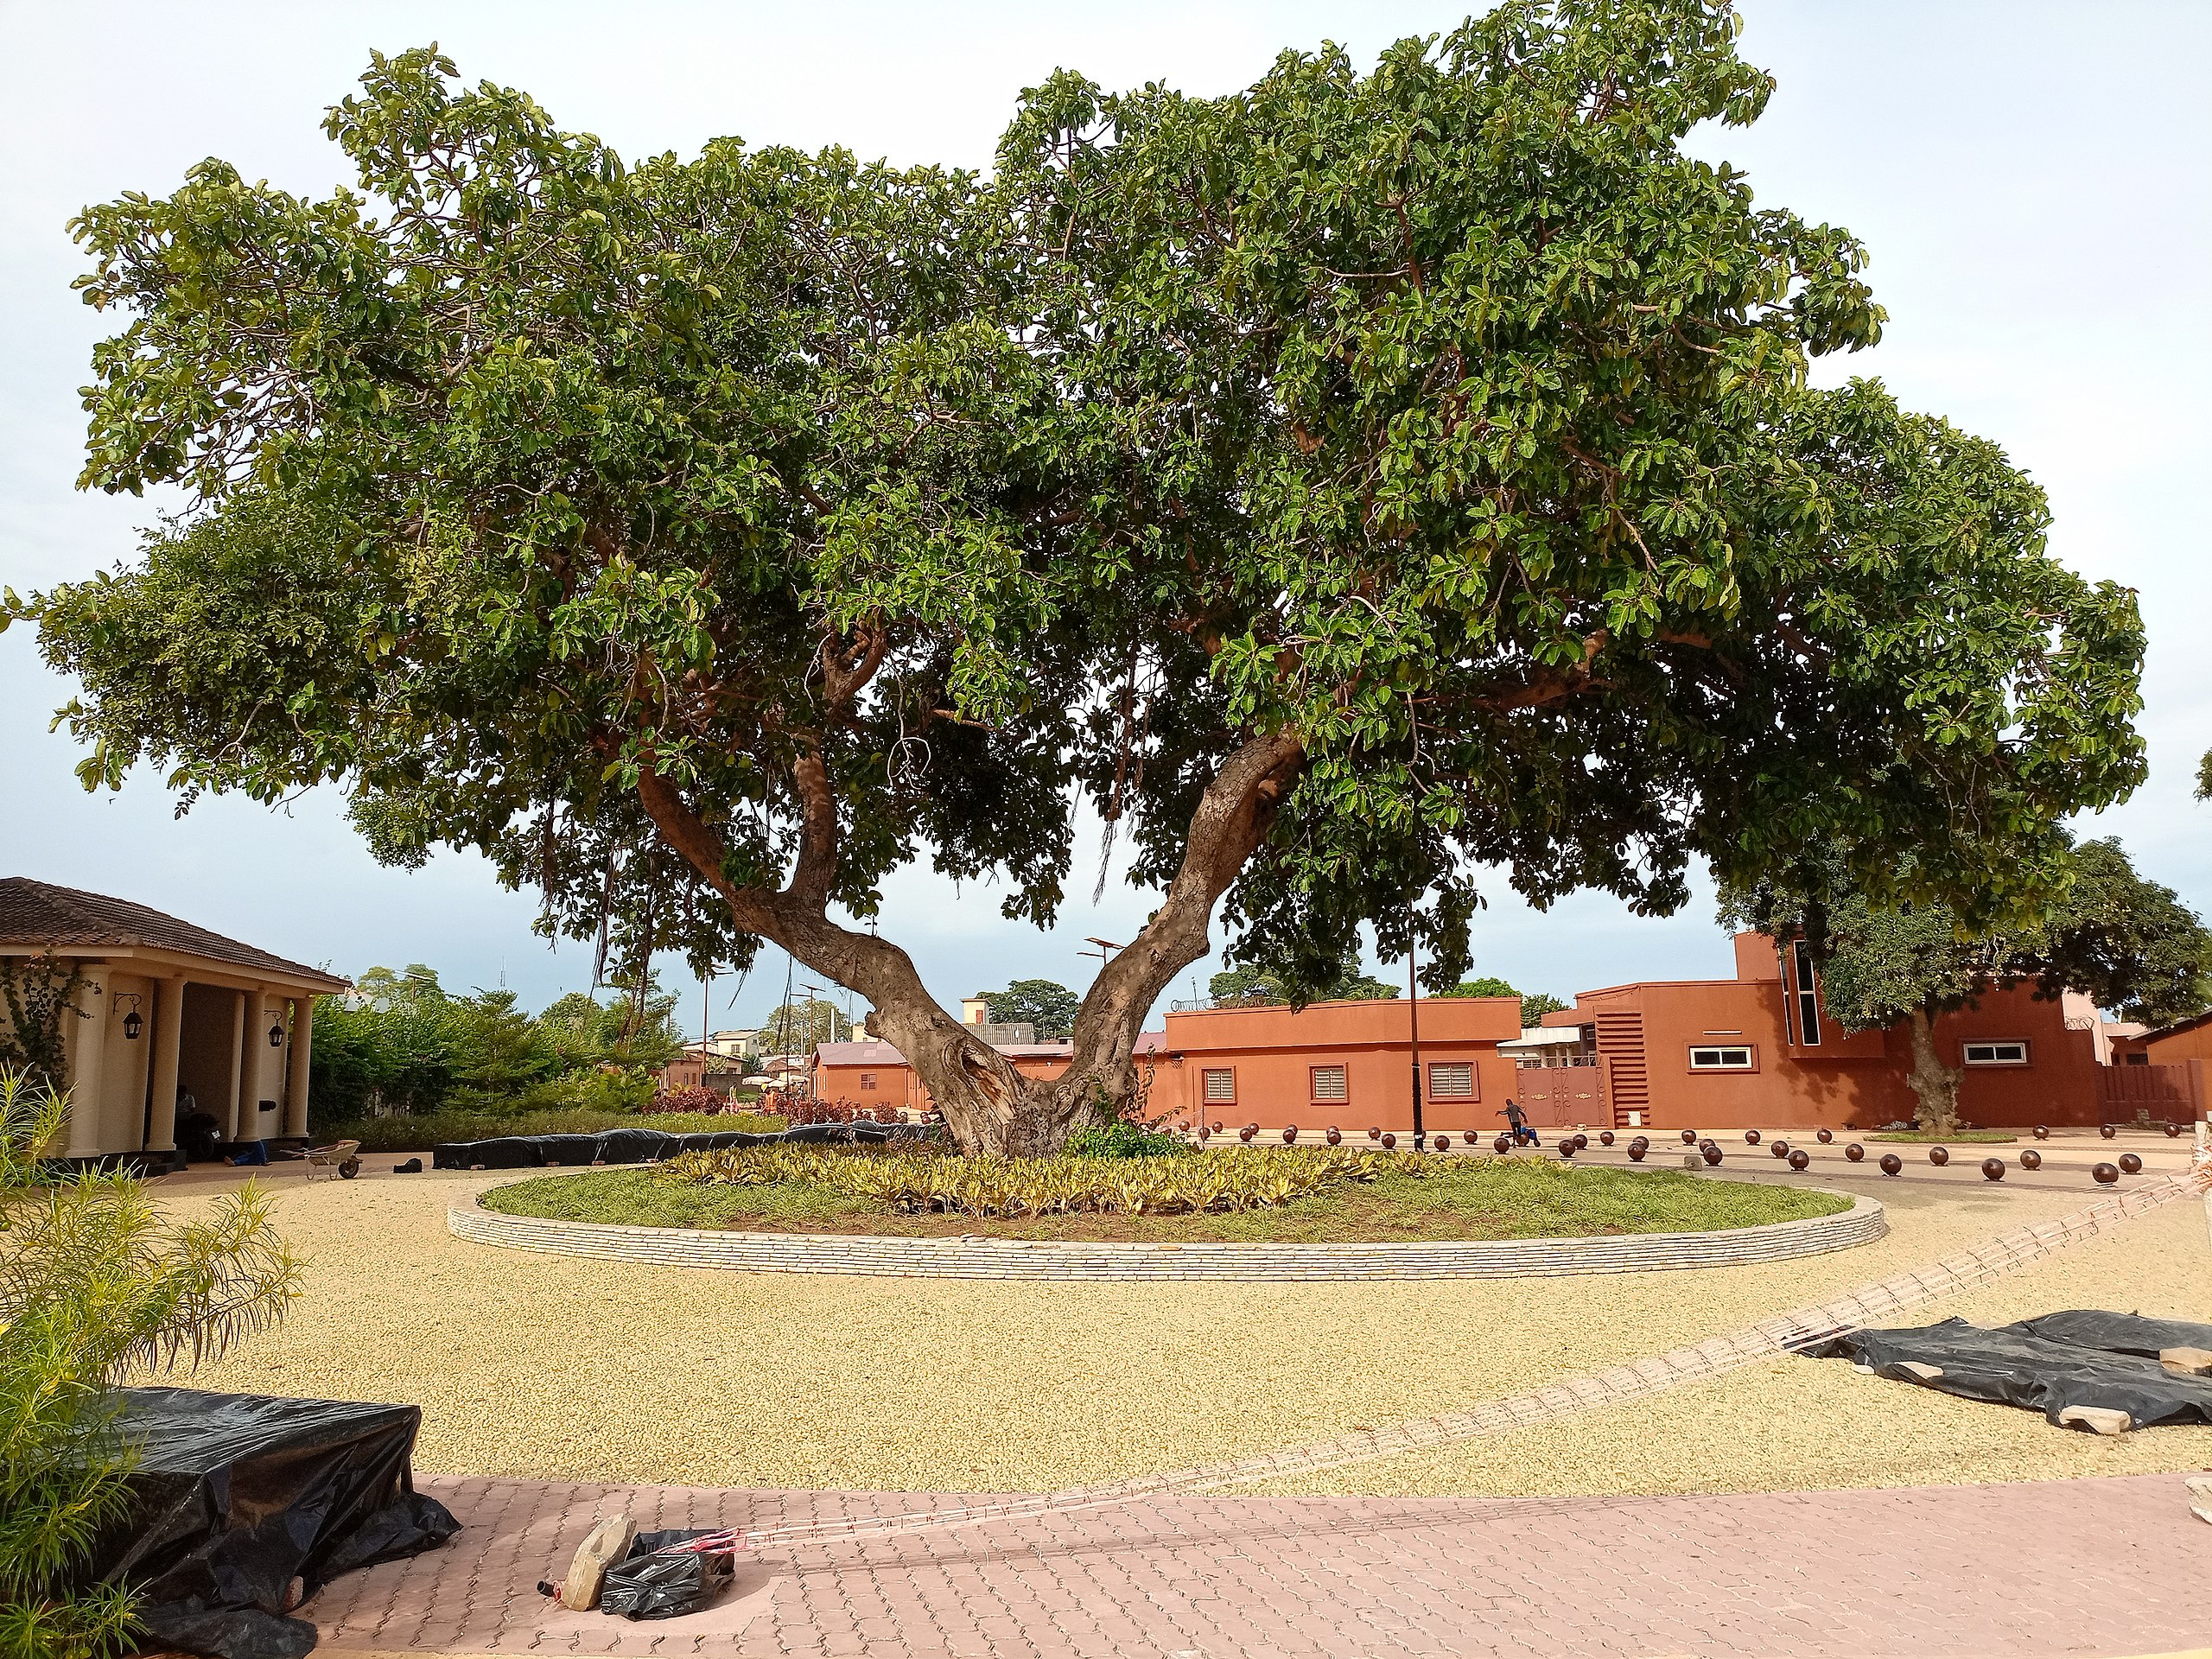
x=1810, y=1423
x=557, y=1367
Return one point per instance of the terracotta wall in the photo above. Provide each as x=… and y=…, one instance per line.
x=1272, y=1053
x=895, y=1085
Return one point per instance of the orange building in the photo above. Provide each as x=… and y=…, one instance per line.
x=1346, y=1064
x=872, y=1073
x=1761, y=1049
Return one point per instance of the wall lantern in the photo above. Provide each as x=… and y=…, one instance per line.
x=276, y=1034
x=133, y=1022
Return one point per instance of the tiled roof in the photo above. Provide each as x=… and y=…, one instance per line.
x=40, y=914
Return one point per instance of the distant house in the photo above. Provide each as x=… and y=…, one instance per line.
x=166, y=1007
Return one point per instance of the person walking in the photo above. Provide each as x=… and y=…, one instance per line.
x=1517, y=1121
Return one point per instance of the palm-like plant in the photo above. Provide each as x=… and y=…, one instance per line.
x=96, y=1281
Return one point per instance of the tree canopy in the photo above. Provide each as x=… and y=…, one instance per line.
x=1044, y=1003
x=801, y=1026
x=2128, y=943
x=1262, y=988
x=1344, y=485
x=1535, y=1005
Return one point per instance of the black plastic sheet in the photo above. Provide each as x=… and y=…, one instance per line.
x=646, y=1584
x=2080, y=1358
x=628, y=1146
x=234, y=1496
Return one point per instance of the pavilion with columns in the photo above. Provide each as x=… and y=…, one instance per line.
x=164, y=1007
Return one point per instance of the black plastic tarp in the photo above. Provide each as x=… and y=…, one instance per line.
x=2080, y=1358
x=650, y=1146
x=236, y=1496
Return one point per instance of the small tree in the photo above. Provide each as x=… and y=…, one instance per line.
x=2129, y=943
x=1259, y=987
x=1049, y=1007
x=801, y=1027
x=97, y=1280
x=1349, y=485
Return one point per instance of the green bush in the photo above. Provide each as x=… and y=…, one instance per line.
x=96, y=1279
x=1123, y=1138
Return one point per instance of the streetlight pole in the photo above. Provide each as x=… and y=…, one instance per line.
x=1413, y=1023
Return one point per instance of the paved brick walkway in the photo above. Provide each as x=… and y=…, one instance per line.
x=2096, y=1567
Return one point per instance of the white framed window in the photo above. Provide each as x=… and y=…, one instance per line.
x=1452, y=1080
x=1997, y=1054
x=1721, y=1057
x=1221, y=1084
x=1329, y=1083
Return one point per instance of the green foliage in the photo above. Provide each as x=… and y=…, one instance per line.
x=1536, y=1004
x=1041, y=1003
x=1444, y=430
x=1123, y=1138
x=383, y=1134
x=1258, y=988
x=402, y=1045
x=97, y=1280
x=35, y=995
x=802, y=1027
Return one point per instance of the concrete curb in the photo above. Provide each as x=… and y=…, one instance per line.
x=996, y=1258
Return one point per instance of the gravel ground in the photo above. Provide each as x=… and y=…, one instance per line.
x=563, y=1368
x=1812, y=1423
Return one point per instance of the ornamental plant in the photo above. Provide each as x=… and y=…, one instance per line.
x=1345, y=485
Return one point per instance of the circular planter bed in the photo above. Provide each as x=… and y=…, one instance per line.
x=1509, y=1219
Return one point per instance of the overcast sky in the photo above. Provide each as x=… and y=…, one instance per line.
x=2033, y=182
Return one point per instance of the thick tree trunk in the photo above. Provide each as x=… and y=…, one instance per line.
x=988, y=1105
x=1935, y=1083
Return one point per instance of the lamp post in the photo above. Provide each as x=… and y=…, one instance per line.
x=1413, y=1021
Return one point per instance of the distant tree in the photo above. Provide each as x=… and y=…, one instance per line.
x=1536, y=1004
x=498, y=1049
x=802, y=1027
x=1259, y=987
x=2129, y=943
x=1342, y=486
x=1051, y=1008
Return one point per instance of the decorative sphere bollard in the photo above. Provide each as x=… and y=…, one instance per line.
x=1992, y=1169
x=1470, y=1136
x=1891, y=1163
x=2130, y=1164
x=2030, y=1159
x=1443, y=1144
x=1751, y=1137
x=1780, y=1148
x=1689, y=1137
x=1939, y=1156
x=1375, y=1134
x=1247, y=1132
x=1710, y=1155
x=1290, y=1134
x=1798, y=1159
x=1568, y=1148
x=1335, y=1137
x=2173, y=1131
x=1636, y=1149
x=2105, y=1175
x=2042, y=1133
x=1824, y=1136
x=1388, y=1142
x=1604, y=1137
x=1504, y=1143
x=1856, y=1152
x=2107, y=1130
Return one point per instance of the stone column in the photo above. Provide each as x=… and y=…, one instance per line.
x=295, y=1079
x=88, y=1064
x=169, y=1044
x=240, y=1055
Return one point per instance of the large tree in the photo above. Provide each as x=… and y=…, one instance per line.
x=1046, y=1004
x=2101, y=929
x=1345, y=484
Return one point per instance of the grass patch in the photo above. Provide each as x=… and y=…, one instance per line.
x=382, y=1134
x=1463, y=1198
x=1956, y=1137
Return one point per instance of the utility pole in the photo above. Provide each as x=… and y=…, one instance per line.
x=1413, y=1023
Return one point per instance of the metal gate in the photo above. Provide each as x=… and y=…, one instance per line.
x=1567, y=1096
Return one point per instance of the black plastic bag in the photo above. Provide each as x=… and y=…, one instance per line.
x=234, y=1496
x=646, y=1584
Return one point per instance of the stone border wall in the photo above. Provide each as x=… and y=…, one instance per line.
x=999, y=1258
